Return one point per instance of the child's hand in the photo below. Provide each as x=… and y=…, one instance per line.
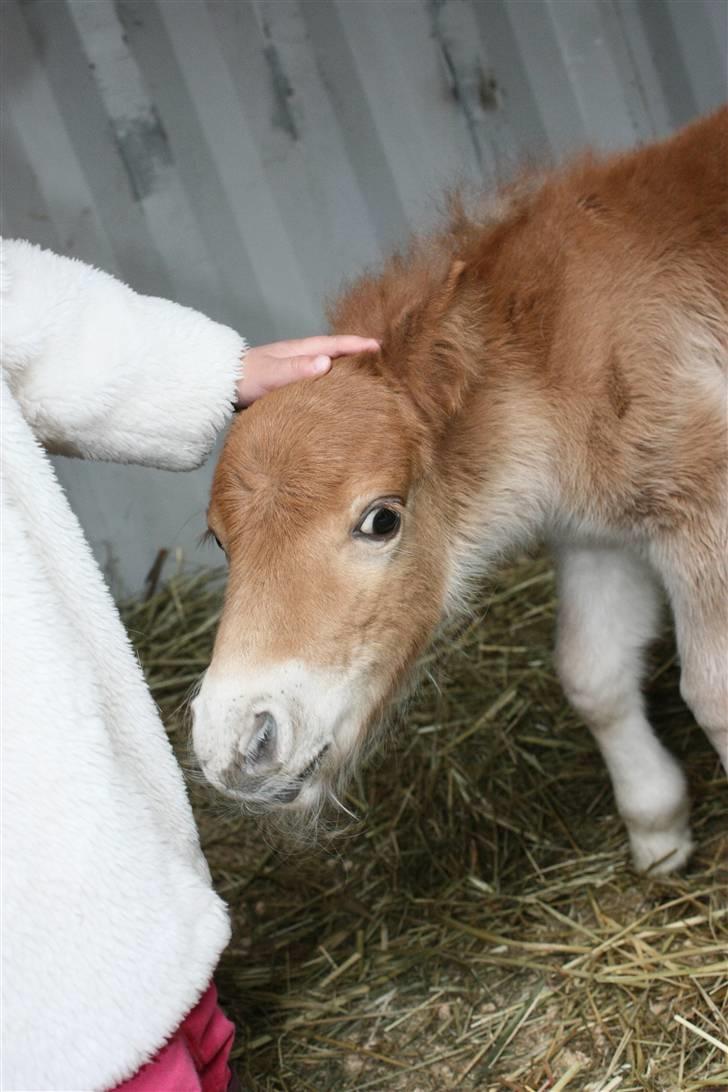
x=270, y=366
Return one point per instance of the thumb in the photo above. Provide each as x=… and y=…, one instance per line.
x=264, y=372
x=296, y=367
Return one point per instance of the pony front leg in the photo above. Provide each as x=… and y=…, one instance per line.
x=698, y=587
x=609, y=610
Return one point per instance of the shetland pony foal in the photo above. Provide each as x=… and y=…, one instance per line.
x=557, y=372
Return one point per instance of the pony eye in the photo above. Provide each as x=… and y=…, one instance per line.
x=217, y=540
x=380, y=522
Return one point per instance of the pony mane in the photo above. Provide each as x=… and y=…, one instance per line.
x=381, y=301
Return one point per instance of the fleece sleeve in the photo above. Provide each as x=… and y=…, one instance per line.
x=104, y=373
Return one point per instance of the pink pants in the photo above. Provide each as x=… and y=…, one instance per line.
x=195, y=1058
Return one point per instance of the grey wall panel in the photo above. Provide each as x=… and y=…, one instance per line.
x=246, y=156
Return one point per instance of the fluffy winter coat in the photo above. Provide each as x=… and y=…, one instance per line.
x=111, y=927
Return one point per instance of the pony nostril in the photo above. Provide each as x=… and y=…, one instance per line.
x=262, y=748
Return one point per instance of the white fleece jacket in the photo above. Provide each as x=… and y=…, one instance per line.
x=111, y=928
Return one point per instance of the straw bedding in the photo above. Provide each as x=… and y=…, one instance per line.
x=480, y=926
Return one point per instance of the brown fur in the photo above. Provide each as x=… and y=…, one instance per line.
x=561, y=366
x=589, y=311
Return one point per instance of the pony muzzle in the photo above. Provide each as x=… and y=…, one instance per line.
x=263, y=737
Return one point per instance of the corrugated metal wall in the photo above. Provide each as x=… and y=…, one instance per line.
x=243, y=156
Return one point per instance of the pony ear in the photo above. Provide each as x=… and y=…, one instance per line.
x=427, y=350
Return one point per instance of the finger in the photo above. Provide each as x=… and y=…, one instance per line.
x=346, y=344
x=332, y=345
x=294, y=368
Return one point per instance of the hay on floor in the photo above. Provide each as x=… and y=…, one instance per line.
x=481, y=926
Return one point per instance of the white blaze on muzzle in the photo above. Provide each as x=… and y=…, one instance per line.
x=264, y=733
